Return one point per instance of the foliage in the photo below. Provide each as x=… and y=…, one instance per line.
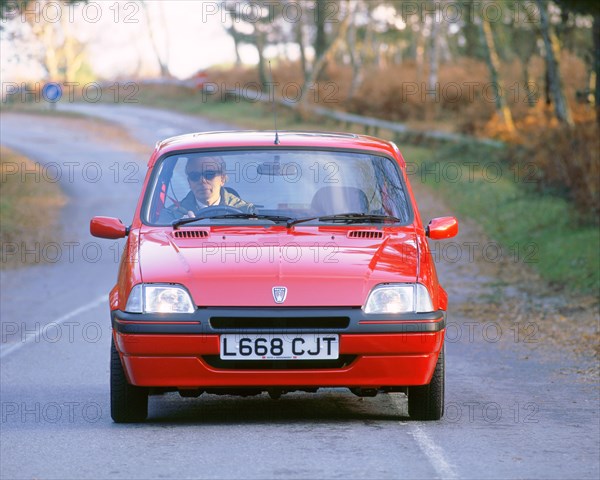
x=568, y=159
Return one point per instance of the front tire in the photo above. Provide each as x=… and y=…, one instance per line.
x=426, y=402
x=128, y=403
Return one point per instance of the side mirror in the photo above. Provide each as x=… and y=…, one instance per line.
x=442, y=227
x=108, y=227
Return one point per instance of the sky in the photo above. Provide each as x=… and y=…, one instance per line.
x=118, y=40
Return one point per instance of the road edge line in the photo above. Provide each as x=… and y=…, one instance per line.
x=433, y=452
x=430, y=449
x=5, y=351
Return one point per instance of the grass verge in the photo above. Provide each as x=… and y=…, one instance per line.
x=29, y=208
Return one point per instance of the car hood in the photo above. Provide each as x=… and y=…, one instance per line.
x=318, y=267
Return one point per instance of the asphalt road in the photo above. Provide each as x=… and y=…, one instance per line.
x=510, y=411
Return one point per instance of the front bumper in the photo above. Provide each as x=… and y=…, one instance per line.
x=380, y=350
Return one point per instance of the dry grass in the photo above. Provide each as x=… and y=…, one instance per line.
x=29, y=209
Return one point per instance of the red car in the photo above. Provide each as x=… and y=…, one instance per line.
x=259, y=261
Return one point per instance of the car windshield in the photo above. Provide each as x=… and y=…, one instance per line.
x=309, y=186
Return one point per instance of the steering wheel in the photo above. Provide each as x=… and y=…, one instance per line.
x=216, y=210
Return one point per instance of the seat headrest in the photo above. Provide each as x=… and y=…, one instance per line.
x=332, y=200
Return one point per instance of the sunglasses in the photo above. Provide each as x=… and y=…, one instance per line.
x=208, y=175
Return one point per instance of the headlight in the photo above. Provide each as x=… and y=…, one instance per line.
x=153, y=298
x=398, y=298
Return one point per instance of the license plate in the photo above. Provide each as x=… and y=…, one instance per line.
x=280, y=347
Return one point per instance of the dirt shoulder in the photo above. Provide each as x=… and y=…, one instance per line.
x=30, y=205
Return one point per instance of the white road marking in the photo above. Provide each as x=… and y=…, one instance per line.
x=35, y=338
x=433, y=452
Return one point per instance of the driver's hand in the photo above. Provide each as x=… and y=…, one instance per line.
x=189, y=214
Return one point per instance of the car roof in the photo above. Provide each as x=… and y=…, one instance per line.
x=266, y=139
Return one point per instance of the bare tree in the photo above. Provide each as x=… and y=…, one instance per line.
x=432, y=78
x=353, y=52
x=493, y=63
x=525, y=45
x=163, y=63
x=73, y=52
x=590, y=7
x=420, y=51
x=236, y=42
x=320, y=16
x=321, y=62
x=63, y=54
x=596, y=36
x=260, y=18
x=552, y=53
x=299, y=37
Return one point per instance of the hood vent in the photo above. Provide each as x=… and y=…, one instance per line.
x=190, y=234
x=365, y=234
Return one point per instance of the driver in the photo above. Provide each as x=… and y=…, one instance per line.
x=206, y=178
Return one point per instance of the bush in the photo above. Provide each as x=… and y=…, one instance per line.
x=568, y=158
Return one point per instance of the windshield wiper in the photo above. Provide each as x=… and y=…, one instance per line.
x=337, y=218
x=274, y=218
x=346, y=218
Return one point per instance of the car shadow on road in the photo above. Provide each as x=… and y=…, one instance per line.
x=329, y=406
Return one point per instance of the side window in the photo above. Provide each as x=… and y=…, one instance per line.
x=178, y=186
x=171, y=186
x=393, y=200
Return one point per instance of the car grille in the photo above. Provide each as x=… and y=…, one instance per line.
x=279, y=323
x=216, y=362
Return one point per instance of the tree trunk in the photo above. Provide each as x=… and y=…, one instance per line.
x=432, y=78
x=259, y=42
x=470, y=31
x=552, y=47
x=236, y=43
x=73, y=51
x=493, y=62
x=320, y=44
x=300, y=42
x=51, y=61
x=164, y=69
x=322, y=61
x=368, y=43
x=355, y=57
x=420, y=54
x=528, y=81
x=74, y=57
x=547, y=92
x=165, y=29
x=596, y=35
